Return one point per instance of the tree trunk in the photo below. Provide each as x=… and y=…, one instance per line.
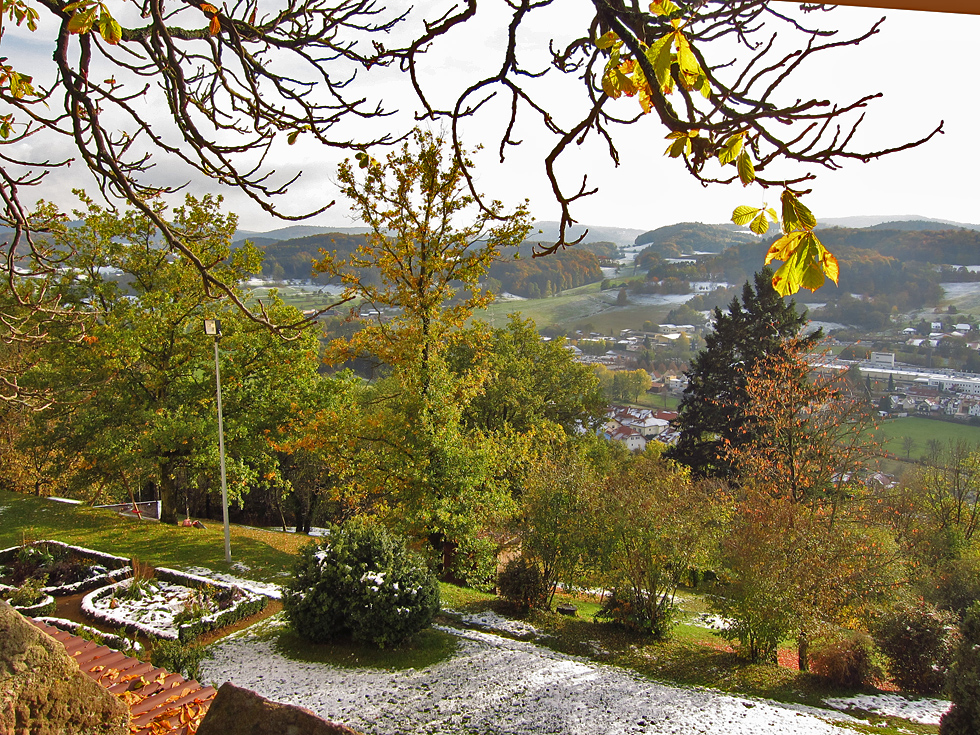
x=168, y=493
x=803, y=651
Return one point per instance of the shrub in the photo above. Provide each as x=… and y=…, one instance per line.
x=918, y=641
x=29, y=593
x=522, y=583
x=639, y=612
x=178, y=657
x=847, y=660
x=964, y=680
x=363, y=582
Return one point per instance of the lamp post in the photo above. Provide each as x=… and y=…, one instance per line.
x=212, y=327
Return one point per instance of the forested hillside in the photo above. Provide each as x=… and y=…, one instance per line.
x=673, y=241
x=540, y=277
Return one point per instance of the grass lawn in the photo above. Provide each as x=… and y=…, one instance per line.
x=892, y=433
x=266, y=553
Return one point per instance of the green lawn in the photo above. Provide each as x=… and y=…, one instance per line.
x=266, y=553
x=892, y=433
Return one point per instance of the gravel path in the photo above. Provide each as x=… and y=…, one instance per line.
x=498, y=686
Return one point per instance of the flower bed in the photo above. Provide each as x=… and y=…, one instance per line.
x=43, y=606
x=173, y=605
x=70, y=569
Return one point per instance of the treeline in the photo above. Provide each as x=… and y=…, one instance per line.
x=536, y=278
x=293, y=259
x=889, y=280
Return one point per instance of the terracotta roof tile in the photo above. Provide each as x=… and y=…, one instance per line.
x=160, y=703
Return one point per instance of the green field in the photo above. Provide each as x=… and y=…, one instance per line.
x=582, y=305
x=891, y=434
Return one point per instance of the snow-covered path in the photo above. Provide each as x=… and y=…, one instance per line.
x=498, y=686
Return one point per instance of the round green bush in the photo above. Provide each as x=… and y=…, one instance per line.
x=362, y=582
x=918, y=640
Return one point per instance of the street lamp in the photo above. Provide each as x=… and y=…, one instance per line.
x=212, y=328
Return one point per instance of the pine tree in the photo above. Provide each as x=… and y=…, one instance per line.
x=712, y=413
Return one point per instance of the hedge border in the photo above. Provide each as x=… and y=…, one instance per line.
x=118, y=566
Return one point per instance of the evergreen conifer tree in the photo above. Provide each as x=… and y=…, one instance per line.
x=712, y=412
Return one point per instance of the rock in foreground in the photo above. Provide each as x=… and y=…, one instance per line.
x=237, y=711
x=42, y=690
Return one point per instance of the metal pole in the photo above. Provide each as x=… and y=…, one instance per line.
x=221, y=449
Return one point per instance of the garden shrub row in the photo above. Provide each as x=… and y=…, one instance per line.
x=249, y=604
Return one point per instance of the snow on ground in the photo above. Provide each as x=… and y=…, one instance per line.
x=499, y=686
x=154, y=611
x=925, y=711
x=271, y=591
x=491, y=621
x=707, y=620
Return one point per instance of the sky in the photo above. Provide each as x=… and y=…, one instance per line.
x=923, y=63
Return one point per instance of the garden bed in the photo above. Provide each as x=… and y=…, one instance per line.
x=42, y=604
x=66, y=569
x=171, y=605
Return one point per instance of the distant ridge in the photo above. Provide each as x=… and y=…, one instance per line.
x=295, y=231
x=546, y=230
x=879, y=221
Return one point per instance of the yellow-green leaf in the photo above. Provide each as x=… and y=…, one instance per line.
x=796, y=215
x=291, y=138
x=788, y=279
x=678, y=147
x=760, y=225
x=82, y=21
x=109, y=29
x=609, y=84
x=730, y=150
x=746, y=169
x=828, y=262
x=785, y=247
x=686, y=61
x=663, y=7
x=813, y=277
x=703, y=86
x=744, y=214
x=606, y=40
x=646, y=99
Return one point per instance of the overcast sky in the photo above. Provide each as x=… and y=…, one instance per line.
x=924, y=63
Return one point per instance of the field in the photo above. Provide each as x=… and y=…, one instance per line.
x=891, y=434
x=579, y=306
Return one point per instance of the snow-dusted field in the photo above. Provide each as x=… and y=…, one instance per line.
x=499, y=686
